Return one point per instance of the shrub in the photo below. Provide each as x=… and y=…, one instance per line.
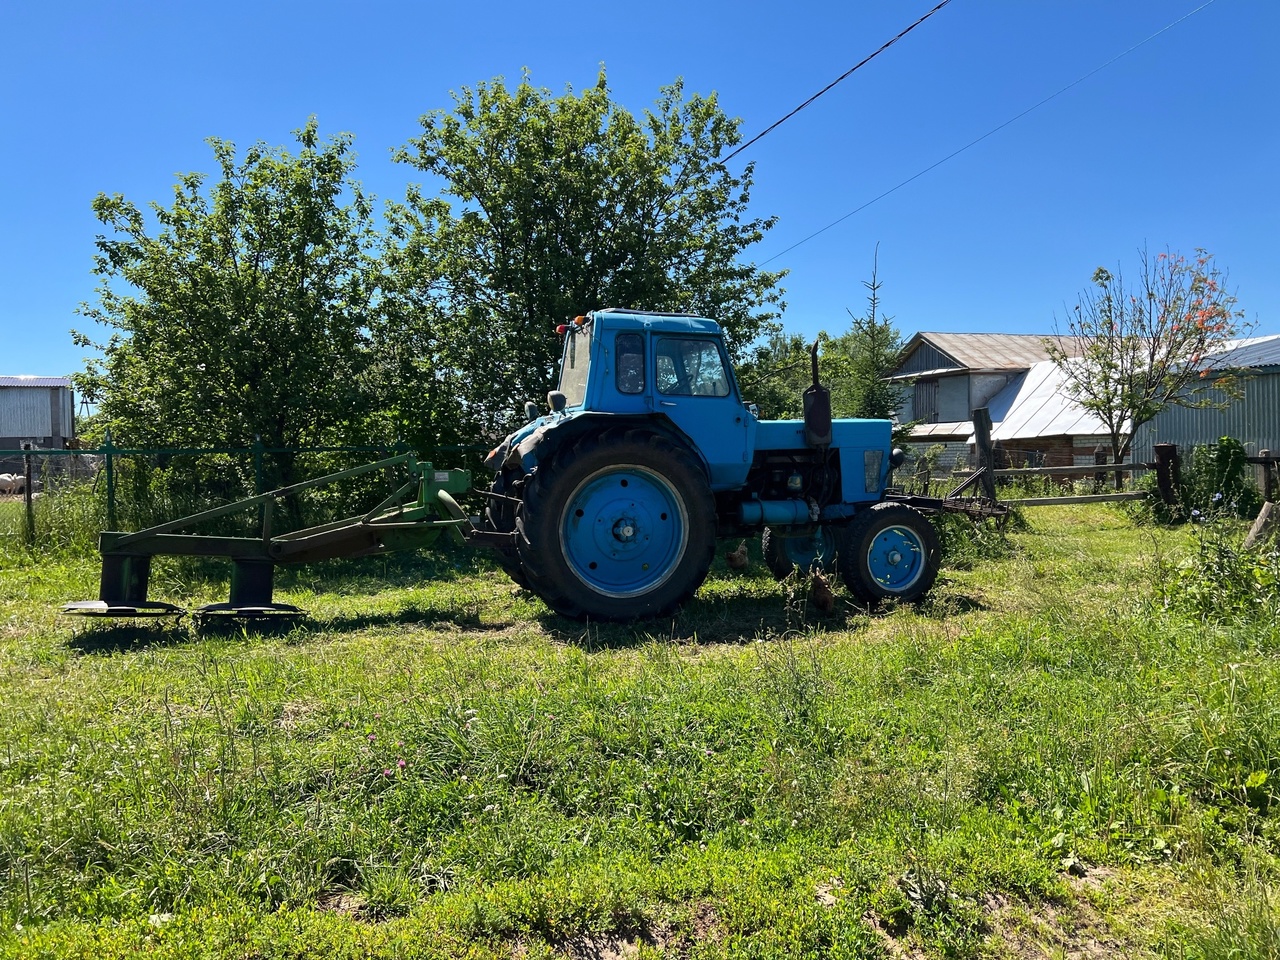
x=1219, y=479
x=1223, y=581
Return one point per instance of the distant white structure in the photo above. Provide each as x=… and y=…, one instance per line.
x=38, y=410
x=1036, y=422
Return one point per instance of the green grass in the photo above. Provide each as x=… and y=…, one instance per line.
x=1045, y=759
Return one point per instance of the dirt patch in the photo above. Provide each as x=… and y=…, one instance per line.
x=893, y=946
x=707, y=925
x=1073, y=930
x=343, y=902
x=601, y=946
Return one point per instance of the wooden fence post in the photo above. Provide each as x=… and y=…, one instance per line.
x=1099, y=457
x=986, y=454
x=1167, y=472
x=1265, y=524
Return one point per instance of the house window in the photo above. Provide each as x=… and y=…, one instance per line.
x=924, y=401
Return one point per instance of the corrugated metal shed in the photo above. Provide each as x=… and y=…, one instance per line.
x=35, y=408
x=1037, y=404
x=28, y=381
x=1253, y=418
x=1253, y=352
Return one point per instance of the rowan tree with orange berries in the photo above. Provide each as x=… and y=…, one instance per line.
x=1129, y=350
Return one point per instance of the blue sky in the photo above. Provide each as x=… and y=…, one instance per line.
x=1176, y=144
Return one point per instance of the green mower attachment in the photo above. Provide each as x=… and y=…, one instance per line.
x=394, y=524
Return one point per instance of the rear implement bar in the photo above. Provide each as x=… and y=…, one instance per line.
x=394, y=524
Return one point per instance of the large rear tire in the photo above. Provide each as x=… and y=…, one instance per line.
x=891, y=552
x=617, y=526
x=807, y=551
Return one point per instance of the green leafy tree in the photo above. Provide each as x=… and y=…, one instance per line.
x=242, y=311
x=559, y=205
x=775, y=375
x=1130, y=350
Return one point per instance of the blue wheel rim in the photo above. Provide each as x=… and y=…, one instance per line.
x=624, y=531
x=896, y=558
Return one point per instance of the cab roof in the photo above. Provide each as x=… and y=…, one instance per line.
x=616, y=318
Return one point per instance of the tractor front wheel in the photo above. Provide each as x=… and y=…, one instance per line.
x=890, y=551
x=617, y=526
x=500, y=517
x=782, y=554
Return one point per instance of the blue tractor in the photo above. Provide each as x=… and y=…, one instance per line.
x=609, y=505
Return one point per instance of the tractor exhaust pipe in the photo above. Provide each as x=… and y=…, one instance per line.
x=817, y=407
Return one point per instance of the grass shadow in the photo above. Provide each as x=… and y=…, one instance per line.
x=939, y=607
x=464, y=617
x=107, y=639
x=713, y=620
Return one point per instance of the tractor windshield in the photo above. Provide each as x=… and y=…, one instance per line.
x=574, y=364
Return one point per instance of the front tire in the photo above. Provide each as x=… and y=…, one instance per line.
x=617, y=526
x=500, y=516
x=807, y=551
x=891, y=552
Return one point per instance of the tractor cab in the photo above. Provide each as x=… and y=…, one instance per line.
x=619, y=363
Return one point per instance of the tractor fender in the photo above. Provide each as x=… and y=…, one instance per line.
x=542, y=443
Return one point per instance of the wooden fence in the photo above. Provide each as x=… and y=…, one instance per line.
x=1167, y=467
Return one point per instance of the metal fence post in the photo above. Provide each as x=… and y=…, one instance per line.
x=109, y=463
x=257, y=477
x=26, y=493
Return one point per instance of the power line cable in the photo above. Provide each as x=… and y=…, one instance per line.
x=989, y=133
x=843, y=76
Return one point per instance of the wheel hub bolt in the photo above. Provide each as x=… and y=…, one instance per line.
x=625, y=530
x=894, y=557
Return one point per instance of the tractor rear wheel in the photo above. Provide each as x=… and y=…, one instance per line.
x=809, y=550
x=500, y=517
x=891, y=551
x=617, y=526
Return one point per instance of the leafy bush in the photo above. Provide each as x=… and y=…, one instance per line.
x=1223, y=581
x=1216, y=480
x=1220, y=479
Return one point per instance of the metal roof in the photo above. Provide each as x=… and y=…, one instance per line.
x=988, y=351
x=1249, y=352
x=1037, y=404
x=926, y=374
x=957, y=428
x=29, y=381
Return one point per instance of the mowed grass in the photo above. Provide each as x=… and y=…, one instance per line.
x=1042, y=760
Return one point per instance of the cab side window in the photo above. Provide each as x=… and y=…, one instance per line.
x=629, y=365
x=691, y=368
